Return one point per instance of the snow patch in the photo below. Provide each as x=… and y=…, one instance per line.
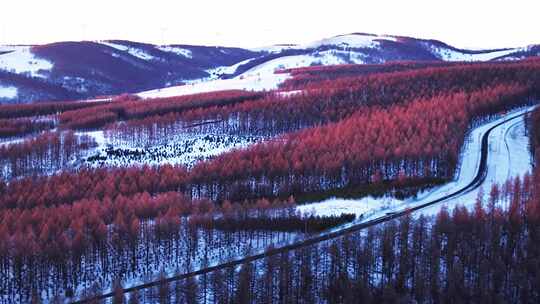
x=224, y=70
x=447, y=54
x=130, y=50
x=8, y=92
x=176, y=50
x=351, y=41
x=184, y=149
x=359, y=207
x=242, y=82
x=21, y=60
x=344, y=41
x=330, y=57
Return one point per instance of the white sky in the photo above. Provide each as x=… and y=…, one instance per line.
x=462, y=23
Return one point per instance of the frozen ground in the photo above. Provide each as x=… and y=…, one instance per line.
x=360, y=207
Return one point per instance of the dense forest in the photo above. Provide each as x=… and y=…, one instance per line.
x=69, y=230
x=486, y=253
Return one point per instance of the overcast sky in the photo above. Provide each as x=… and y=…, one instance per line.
x=462, y=23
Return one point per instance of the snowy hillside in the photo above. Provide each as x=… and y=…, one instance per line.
x=80, y=70
x=73, y=70
x=258, y=74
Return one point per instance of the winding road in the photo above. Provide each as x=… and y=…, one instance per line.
x=466, y=181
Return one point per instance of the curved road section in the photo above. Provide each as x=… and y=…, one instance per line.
x=471, y=174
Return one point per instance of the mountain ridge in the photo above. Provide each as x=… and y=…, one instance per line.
x=86, y=69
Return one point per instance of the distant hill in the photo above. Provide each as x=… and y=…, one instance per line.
x=75, y=70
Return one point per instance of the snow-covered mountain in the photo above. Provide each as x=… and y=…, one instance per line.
x=68, y=70
x=73, y=70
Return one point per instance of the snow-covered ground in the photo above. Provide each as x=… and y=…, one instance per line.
x=131, y=50
x=246, y=81
x=358, y=207
x=454, y=55
x=20, y=59
x=508, y=157
x=176, y=50
x=215, y=73
x=330, y=57
x=185, y=149
x=508, y=139
x=8, y=92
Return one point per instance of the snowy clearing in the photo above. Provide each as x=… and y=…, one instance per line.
x=21, y=60
x=184, y=149
x=359, y=207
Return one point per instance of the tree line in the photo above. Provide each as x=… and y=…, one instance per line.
x=329, y=101
x=44, y=154
x=133, y=108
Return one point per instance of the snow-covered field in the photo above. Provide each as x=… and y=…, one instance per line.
x=20, y=59
x=359, y=207
x=184, y=149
